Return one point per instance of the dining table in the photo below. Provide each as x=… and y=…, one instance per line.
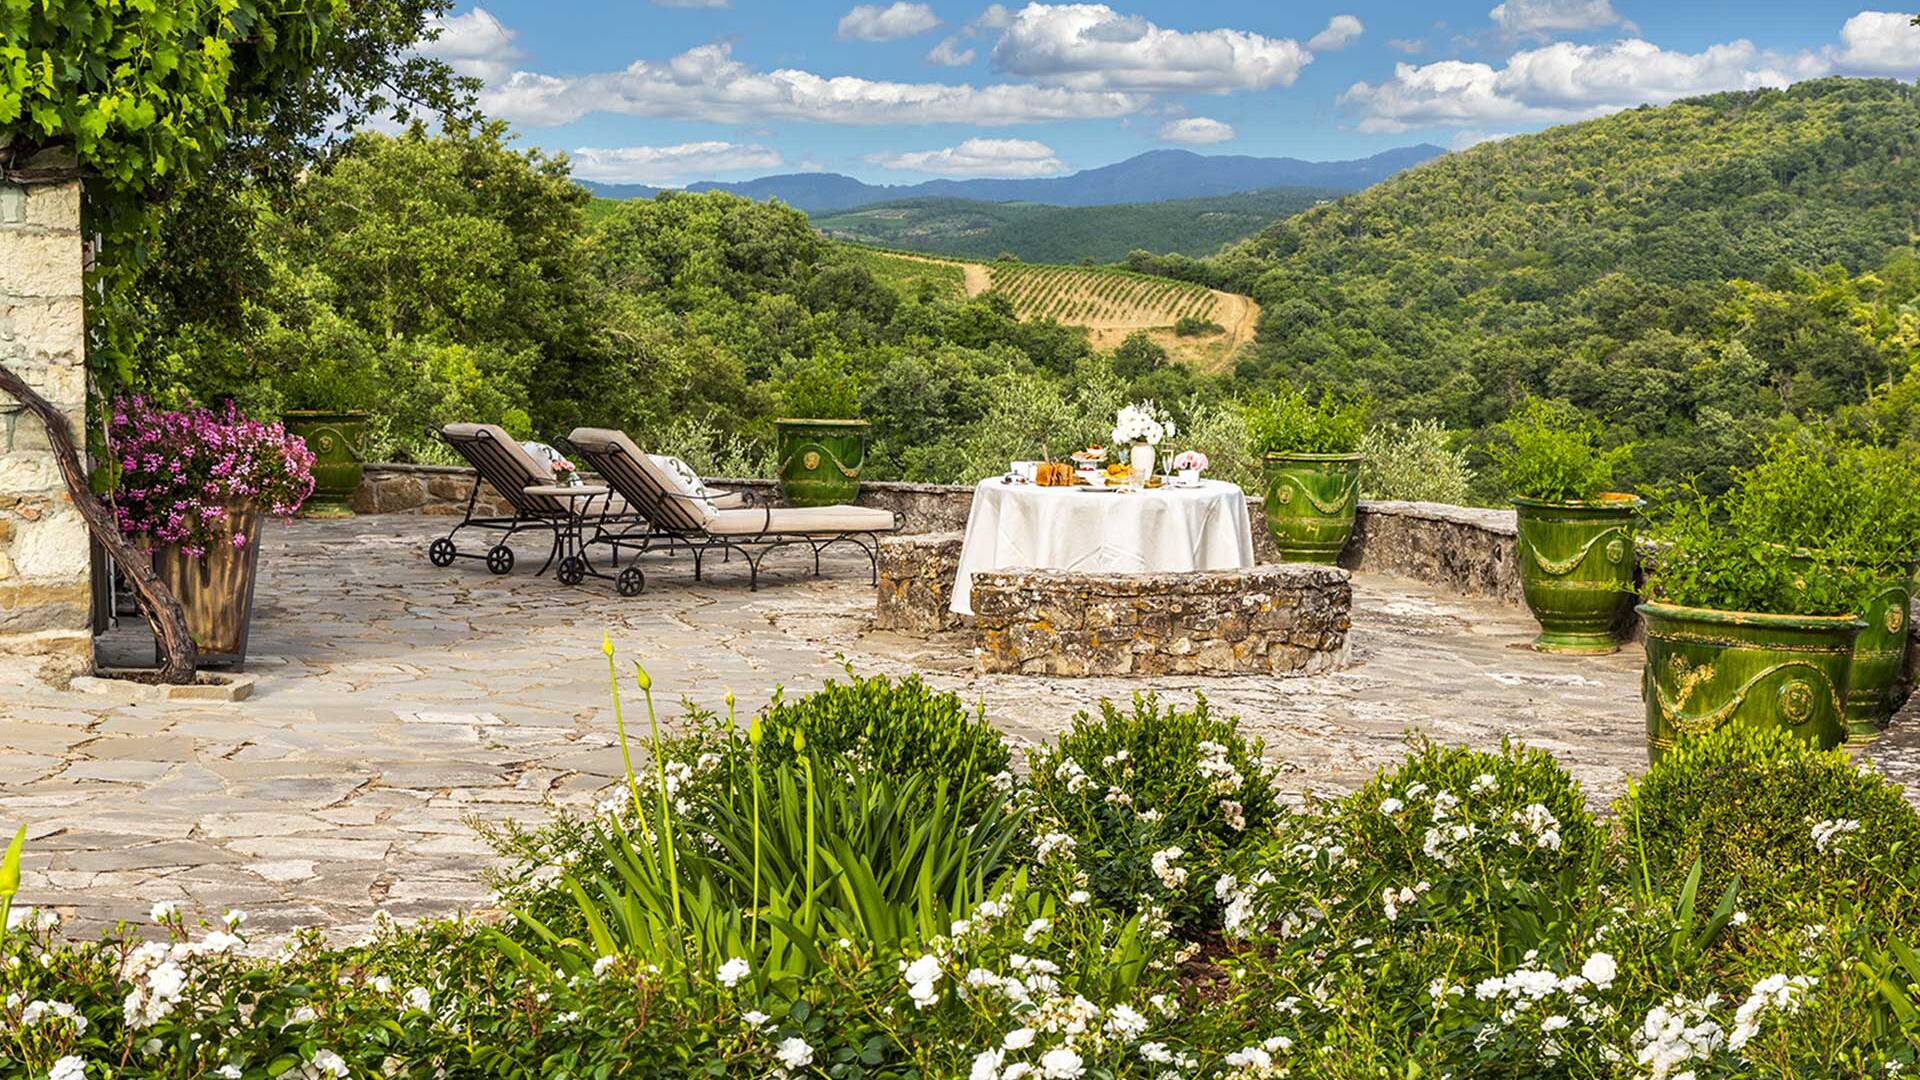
x=1108, y=529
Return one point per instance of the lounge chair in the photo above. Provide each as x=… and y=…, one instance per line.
x=538, y=502
x=676, y=517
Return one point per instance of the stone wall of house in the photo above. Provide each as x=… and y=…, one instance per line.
x=916, y=582
x=45, y=595
x=1272, y=619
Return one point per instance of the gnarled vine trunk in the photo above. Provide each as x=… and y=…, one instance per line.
x=163, y=611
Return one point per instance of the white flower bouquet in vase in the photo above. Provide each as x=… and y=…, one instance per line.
x=1141, y=427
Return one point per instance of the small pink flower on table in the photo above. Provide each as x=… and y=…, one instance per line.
x=1190, y=464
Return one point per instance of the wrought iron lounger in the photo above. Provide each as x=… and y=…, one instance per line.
x=536, y=500
x=675, y=518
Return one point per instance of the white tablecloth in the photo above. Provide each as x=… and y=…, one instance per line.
x=1165, y=528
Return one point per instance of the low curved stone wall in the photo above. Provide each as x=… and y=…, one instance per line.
x=1271, y=619
x=1460, y=549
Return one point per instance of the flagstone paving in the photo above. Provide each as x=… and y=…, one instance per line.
x=398, y=703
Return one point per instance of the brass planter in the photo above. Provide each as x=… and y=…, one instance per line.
x=820, y=460
x=1576, y=569
x=215, y=589
x=1709, y=669
x=337, y=440
x=1310, y=504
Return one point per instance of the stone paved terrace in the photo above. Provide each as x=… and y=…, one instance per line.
x=396, y=701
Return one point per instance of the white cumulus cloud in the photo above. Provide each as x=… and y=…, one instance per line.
x=1880, y=43
x=979, y=157
x=475, y=44
x=871, y=22
x=1093, y=47
x=1554, y=16
x=1340, y=32
x=707, y=83
x=662, y=165
x=1563, y=81
x=1195, y=131
x=949, y=54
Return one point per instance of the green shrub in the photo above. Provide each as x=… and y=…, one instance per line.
x=898, y=728
x=1287, y=422
x=1552, y=453
x=1195, y=326
x=1763, y=806
x=820, y=389
x=1414, y=461
x=1470, y=824
x=1129, y=787
x=1813, y=528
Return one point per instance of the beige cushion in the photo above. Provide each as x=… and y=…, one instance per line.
x=522, y=470
x=635, y=475
x=800, y=519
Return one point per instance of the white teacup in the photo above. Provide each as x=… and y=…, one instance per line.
x=1095, y=477
x=1189, y=477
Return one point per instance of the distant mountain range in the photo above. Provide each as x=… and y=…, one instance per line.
x=1154, y=176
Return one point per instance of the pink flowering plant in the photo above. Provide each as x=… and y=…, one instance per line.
x=179, y=475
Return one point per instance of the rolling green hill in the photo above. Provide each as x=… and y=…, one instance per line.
x=1064, y=234
x=1666, y=268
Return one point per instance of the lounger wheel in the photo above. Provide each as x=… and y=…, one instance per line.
x=632, y=581
x=572, y=570
x=500, y=559
x=440, y=553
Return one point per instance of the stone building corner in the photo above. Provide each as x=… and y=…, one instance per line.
x=45, y=593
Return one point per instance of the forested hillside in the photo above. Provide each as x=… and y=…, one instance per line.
x=1693, y=272
x=1067, y=234
x=437, y=278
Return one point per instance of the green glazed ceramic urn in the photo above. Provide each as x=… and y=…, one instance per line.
x=1576, y=569
x=820, y=460
x=1310, y=504
x=1709, y=669
x=1880, y=657
x=337, y=440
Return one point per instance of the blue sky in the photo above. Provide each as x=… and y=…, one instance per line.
x=671, y=91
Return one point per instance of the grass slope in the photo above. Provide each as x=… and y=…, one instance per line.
x=1062, y=234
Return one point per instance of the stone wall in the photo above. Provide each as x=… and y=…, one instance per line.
x=916, y=582
x=1462, y=549
x=1287, y=619
x=426, y=489
x=45, y=593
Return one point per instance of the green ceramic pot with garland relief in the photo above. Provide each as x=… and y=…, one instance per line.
x=820, y=460
x=1310, y=504
x=1709, y=669
x=1576, y=569
x=1880, y=657
x=337, y=440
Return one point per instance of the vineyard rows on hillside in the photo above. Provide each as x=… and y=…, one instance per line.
x=1100, y=296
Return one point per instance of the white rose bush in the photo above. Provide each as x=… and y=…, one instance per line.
x=1145, y=898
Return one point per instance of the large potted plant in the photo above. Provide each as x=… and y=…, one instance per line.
x=1311, y=478
x=821, y=443
x=326, y=401
x=190, y=487
x=1846, y=504
x=1744, y=626
x=1575, y=542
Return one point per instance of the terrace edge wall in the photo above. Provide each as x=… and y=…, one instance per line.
x=1461, y=549
x=45, y=551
